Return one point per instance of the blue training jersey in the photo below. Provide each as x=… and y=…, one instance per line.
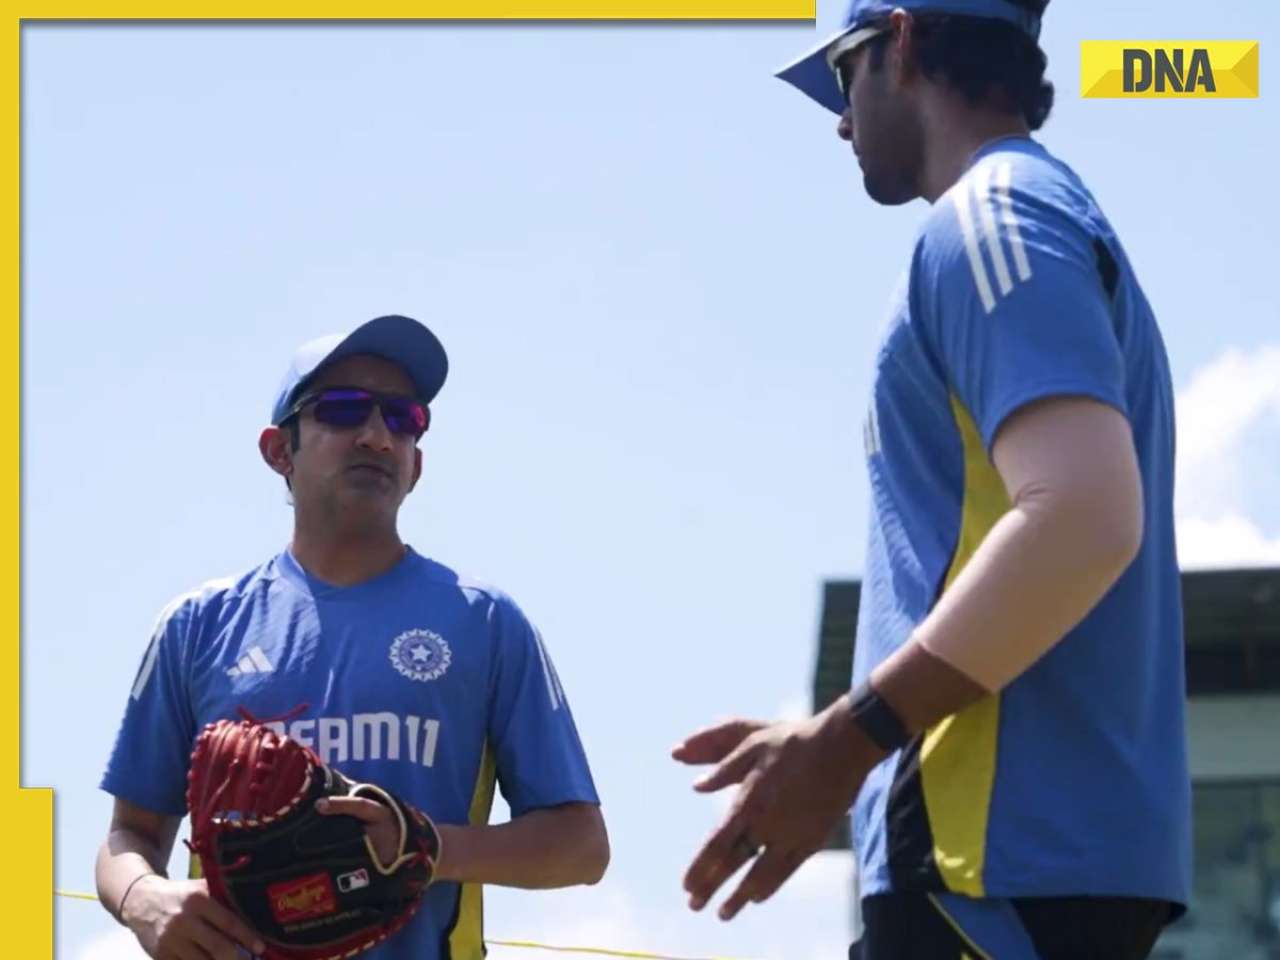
x=420, y=681
x=1072, y=780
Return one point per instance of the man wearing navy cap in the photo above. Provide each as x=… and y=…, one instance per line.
x=426, y=683
x=1013, y=747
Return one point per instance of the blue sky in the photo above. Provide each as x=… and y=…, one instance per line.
x=659, y=284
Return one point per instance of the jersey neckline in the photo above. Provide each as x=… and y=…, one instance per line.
x=1000, y=143
x=301, y=578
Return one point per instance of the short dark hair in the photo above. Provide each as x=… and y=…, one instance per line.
x=981, y=58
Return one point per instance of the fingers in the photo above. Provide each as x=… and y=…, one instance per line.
x=713, y=744
x=384, y=834
x=209, y=941
x=228, y=927
x=770, y=871
x=726, y=850
x=370, y=811
x=720, y=859
x=732, y=770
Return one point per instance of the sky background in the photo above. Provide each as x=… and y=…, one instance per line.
x=659, y=283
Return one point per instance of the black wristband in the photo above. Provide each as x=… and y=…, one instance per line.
x=877, y=719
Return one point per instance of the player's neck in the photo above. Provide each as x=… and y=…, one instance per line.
x=955, y=132
x=346, y=559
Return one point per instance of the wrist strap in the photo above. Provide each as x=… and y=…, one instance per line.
x=877, y=719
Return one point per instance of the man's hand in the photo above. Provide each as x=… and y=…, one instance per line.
x=178, y=920
x=798, y=780
x=379, y=819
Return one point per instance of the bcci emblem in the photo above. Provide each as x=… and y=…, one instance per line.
x=420, y=655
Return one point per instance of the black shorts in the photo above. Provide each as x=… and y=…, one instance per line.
x=921, y=926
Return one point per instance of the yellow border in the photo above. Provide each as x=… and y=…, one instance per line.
x=438, y=10
x=26, y=889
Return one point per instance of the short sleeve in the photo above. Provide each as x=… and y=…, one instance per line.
x=539, y=755
x=148, y=765
x=1011, y=299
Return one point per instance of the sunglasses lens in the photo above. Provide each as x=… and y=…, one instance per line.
x=351, y=408
x=408, y=417
x=343, y=408
x=843, y=79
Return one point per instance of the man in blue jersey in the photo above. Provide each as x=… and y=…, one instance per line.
x=415, y=678
x=1013, y=747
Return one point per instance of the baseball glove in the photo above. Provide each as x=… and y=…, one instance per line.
x=310, y=884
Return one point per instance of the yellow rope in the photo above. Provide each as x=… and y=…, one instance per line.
x=520, y=944
x=76, y=894
x=597, y=951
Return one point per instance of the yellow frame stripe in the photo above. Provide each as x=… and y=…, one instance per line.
x=466, y=941
x=958, y=756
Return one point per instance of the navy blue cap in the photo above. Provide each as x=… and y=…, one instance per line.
x=812, y=74
x=399, y=339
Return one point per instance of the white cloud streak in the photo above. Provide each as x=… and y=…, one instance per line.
x=1229, y=461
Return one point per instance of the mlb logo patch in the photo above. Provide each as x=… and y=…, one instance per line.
x=355, y=880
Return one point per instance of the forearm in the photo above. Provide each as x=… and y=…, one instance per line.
x=1043, y=566
x=555, y=847
x=123, y=858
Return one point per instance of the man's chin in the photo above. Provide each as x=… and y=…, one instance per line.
x=376, y=493
x=887, y=194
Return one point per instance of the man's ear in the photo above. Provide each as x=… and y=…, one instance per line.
x=276, y=448
x=903, y=45
x=417, y=467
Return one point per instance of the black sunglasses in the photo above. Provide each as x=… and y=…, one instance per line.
x=844, y=65
x=844, y=76
x=351, y=406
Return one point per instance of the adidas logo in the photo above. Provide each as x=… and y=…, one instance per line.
x=255, y=661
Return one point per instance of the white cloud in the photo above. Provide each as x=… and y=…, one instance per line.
x=114, y=944
x=1228, y=459
x=1228, y=541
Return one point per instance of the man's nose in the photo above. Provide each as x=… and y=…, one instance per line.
x=374, y=432
x=844, y=128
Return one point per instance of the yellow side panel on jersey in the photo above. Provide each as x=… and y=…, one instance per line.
x=466, y=940
x=958, y=756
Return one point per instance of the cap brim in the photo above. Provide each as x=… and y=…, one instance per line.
x=404, y=342
x=812, y=75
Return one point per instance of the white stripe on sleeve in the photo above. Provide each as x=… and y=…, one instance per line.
x=982, y=191
x=961, y=199
x=552, y=686
x=1004, y=176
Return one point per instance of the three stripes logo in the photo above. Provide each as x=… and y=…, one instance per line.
x=255, y=661
x=988, y=224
